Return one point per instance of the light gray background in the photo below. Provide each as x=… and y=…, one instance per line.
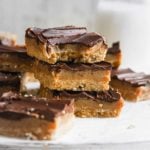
x=17, y=15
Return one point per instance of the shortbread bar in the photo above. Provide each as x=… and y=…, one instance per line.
x=89, y=104
x=67, y=43
x=73, y=76
x=14, y=59
x=114, y=55
x=7, y=39
x=34, y=118
x=133, y=86
x=9, y=81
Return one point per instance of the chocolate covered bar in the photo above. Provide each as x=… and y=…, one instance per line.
x=9, y=81
x=133, y=86
x=34, y=118
x=14, y=59
x=89, y=103
x=67, y=43
x=114, y=55
x=73, y=76
x=7, y=39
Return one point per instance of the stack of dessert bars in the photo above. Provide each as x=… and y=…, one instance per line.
x=69, y=63
x=78, y=73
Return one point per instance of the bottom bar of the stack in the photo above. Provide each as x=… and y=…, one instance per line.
x=90, y=104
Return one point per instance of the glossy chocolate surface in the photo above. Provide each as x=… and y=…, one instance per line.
x=78, y=66
x=64, y=35
x=106, y=96
x=12, y=49
x=14, y=106
x=129, y=76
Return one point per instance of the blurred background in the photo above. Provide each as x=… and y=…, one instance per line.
x=127, y=21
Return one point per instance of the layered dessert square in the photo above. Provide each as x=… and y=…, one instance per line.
x=67, y=43
x=132, y=86
x=73, y=76
x=89, y=103
x=9, y=81
x=114, y=55
x=14, y=59
x=34, y=118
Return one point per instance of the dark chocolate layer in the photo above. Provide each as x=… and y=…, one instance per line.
x=114, y=49
x=14, y=106
x=12, y=49
x=64, y=35
x=8, y=52
x=9, y=78
x=78, y=66
x=107, y=96
x=128, y=75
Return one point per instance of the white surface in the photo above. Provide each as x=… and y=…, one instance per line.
x=131, y=128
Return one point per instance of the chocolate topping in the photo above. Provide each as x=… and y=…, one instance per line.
x=78, y=66
x=12, y=49
x=63, y=31
x=128, y=75
x=107, y=96
x=114, y=49
x=64, y=35
x=14, y=106
x=9, y=78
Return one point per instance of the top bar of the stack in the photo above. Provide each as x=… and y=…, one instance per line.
x=67, y=43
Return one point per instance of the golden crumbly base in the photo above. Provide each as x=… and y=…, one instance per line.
x=129, y=92
x=88, y=80
x=36, y=129
x=14, y=63
x=114, y=59
x=66, y=52
x=88, y=107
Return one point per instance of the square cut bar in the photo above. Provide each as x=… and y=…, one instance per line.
x=73, y=76
x=114, y=55
x=9, y=81
x=35, y=118
x=89, y=104
x=67, y=43
x=14, y=59
x=7, y=39
x=132, y=86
